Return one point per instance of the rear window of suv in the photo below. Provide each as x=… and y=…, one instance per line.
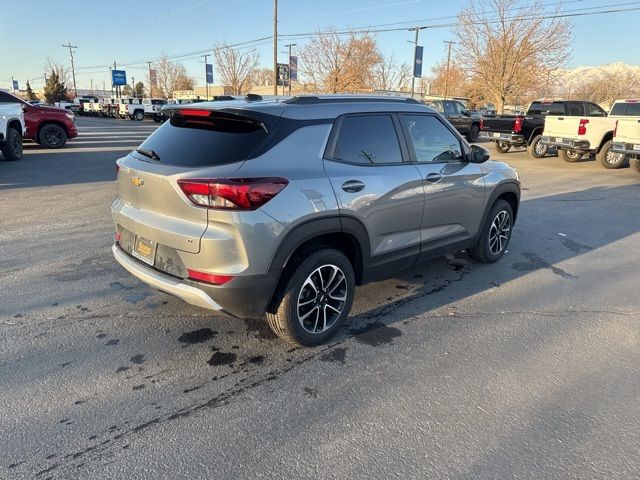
x=220, y=138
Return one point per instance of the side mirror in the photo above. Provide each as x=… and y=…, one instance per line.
x=478, y=154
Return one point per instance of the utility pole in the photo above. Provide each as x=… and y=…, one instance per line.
x=275, y=47
x=415, y=45
x=133, y=86
x=150, y=84
x=446, y=80
x=73, y=70
x=206, y=81
x=289, y=45
x=12, y=89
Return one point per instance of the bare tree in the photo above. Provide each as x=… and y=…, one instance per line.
x=389, y=75
x=509, y=47
x=456, y=79
x=236, y=67
x=261, y=77
x=64, y=76
x=609, y=85
x=171, y=77
x=334, y=63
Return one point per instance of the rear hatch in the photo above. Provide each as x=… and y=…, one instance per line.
x=193, y=143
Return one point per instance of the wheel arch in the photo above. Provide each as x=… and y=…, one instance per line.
x=534, y=133
x=508, y=191
x=607, y=136
x=15, y=123
x=44, y=123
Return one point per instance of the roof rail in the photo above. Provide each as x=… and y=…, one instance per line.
x=311, y=99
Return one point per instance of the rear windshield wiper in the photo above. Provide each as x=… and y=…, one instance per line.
x=149, y=153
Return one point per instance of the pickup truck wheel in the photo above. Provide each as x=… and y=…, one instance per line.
x=52, y=136
x=570, y=156
x=139, y=116
x=609, y=159
x=316, y=299
x=495, y=234
x=503, y=147
x=536, y=149
x=472, y=134
x=634, y=164
x=12, y=147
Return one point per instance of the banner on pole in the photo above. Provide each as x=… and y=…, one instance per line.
x=15, y=85
x=153, y=78
x=293, y=69
x=283, y=74
x=209, y=70
x=417, y=63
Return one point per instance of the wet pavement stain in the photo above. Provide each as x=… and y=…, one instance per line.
x=336, y=355
x=197, y=336
x=575, y=247
x=260, y=328
x=17, y=464
x=66, y=363
x=537, y=263
x=310, y=392
x=257, y=359
x=79, y=402
x=136, y=297
x=222, y=358
x=139, y=387
x=376, y=334
x=138, y=359
x=122, y=369
x=113, y=341
x=101, y=335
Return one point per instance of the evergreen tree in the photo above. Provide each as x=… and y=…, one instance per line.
x=55, y=90
x=30, y=94
x=139, y=89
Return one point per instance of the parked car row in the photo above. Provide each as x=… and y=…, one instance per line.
x=48, y=126
x=572, y=128
x=122, y=107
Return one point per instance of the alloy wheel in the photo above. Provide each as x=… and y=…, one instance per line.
x=321, y=299
x=499, y=232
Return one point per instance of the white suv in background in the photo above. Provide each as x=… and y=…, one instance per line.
x=11, y=130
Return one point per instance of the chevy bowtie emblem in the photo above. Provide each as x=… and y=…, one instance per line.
x=137, y=181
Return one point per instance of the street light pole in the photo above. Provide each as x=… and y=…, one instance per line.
x=289, y=45
x=275, y=47
x=206, y=80
x=415, y=45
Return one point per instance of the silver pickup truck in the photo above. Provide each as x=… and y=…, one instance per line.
x=11, y=130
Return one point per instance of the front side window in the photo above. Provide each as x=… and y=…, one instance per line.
x=431, y=140
x=368, y=139
x=459, y=107
x=576, y=109
x=594, y=110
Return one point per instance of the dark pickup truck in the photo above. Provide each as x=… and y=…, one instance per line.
x=508, y=131
x=465, y=121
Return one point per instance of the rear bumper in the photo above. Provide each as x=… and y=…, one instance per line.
x=566, y=143
x=510, y=138
x=625, y=148
x=243, y=297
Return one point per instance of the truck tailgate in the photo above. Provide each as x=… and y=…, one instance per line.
x=502, y=124
x=628, y=130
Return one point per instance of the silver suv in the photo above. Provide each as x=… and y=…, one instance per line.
x=283, y=207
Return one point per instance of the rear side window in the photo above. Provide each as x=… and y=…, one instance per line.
x=633, y=109
x=204, y=141
x=594, y=110
x=367, y=139
x=576, y=109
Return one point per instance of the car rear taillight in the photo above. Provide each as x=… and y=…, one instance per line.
x=517, y=125
x=232, y=193
x=615, y=129
x=211, y=278
x=582, y=127
x=481, y=123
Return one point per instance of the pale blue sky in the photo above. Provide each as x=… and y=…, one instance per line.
x=128, y=32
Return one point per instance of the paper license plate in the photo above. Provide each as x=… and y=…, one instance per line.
x=497, y=135
x=559, y=139
x=636, y=147
x=145, y=250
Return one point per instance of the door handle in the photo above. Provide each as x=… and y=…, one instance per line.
x=433, y=177
x=352, y=186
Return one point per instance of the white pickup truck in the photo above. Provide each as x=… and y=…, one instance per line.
x=131, y=108
x=153, y=108
x=626, y=140
x=576, y=135
x=11, y=130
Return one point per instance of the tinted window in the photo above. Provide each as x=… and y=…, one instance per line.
x=159, y=102
x=6, y=98
x=576, y=109
x=626, y=108
x=619, y=109
x=437, y=106
x=431, y=140
x=368, y=139
x=594, y=110
x=199, y=141
x=633, y=109
x=449, y=108
x=546, y=108
x=459, y=107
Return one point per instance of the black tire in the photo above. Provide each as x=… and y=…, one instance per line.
x=503, y=147
x=138, y=115
x=52, y=136
x=536, y=149
x=157, y=119
x=484, y=250
x=12, y=146
x=570, y=156
x=472, y=134
x=634, y=164
x=284, y=314
x=609, y=159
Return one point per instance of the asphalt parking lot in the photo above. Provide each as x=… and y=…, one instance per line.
x=527, y=368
